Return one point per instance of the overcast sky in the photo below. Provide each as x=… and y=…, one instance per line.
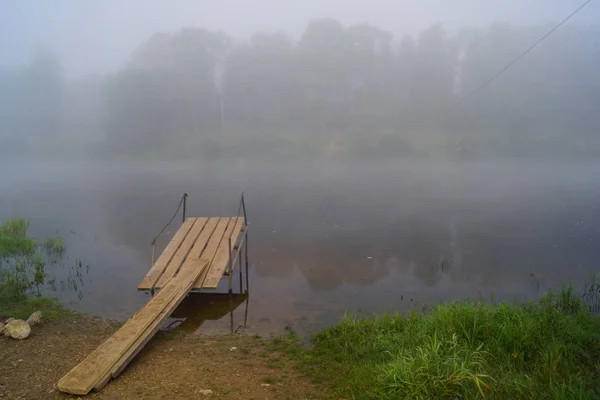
x=97, y=36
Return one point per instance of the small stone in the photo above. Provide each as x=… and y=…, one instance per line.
x=35, y=318
x=17, y=329
x=233, y=349
x=205, y=392
x=265, y=384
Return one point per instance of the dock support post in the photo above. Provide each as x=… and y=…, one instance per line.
x=231, y=314
x=230, y=269
x=246, y=312
x=240, y=267
x=246, y=255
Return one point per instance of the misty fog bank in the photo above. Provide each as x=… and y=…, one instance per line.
x=335, y=92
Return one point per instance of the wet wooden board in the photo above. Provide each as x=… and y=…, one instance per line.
x=198, y=251
x=165, y=258
x=198, y=247
x=208, y=248
x=212, y=248
x=143, y=339
x=93, y=369
x=182, y=253
x=221, y=260
x=211, y=243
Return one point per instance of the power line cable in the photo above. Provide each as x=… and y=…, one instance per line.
x=513, y=62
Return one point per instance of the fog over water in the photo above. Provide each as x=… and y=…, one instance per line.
x=326, y=238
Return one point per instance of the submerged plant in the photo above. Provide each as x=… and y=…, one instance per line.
x=24, y=264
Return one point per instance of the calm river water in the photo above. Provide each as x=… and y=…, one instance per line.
x=325, y=238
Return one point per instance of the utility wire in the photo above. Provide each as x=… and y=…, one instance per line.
x=513, y=62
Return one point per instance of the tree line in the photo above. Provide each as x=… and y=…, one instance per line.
x=336, y=90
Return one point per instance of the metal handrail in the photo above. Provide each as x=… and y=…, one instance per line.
x=242, y=207
x=183, y=202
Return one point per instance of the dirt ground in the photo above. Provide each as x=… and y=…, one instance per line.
x=172, y=366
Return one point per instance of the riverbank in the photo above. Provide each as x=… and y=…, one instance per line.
x=173, y=365
x=465, y=350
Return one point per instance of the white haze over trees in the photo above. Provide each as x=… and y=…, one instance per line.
x=377, y=79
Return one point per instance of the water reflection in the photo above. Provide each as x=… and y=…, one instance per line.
x=198, y=308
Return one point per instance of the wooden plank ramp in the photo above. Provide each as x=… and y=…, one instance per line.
x=114, y=354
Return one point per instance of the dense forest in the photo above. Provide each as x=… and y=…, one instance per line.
x=335, y=91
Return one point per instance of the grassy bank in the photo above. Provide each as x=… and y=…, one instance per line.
x=546, y=350
x=24, y=275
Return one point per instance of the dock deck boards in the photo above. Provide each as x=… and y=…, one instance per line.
x=167, y=255
x=206, y=238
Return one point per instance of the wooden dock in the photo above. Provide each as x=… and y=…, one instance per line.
x=200, y=253
x=207, y=238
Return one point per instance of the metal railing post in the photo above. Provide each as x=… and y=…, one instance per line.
x=152, y=265
x=185, y=195
x=244, y=209
x=153, y=247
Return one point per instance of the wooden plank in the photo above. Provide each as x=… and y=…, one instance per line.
x=201, y=243
x=182, y=253
x=198, y=265
x=220, y=261
x=85, y=375
x=201, y=278
x=213, y=244
x=81, y=379
x=159, y=266
x=197, y=285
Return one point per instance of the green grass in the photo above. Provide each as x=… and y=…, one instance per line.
x=463, y=350
x=51, y=309
x=23, y=272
